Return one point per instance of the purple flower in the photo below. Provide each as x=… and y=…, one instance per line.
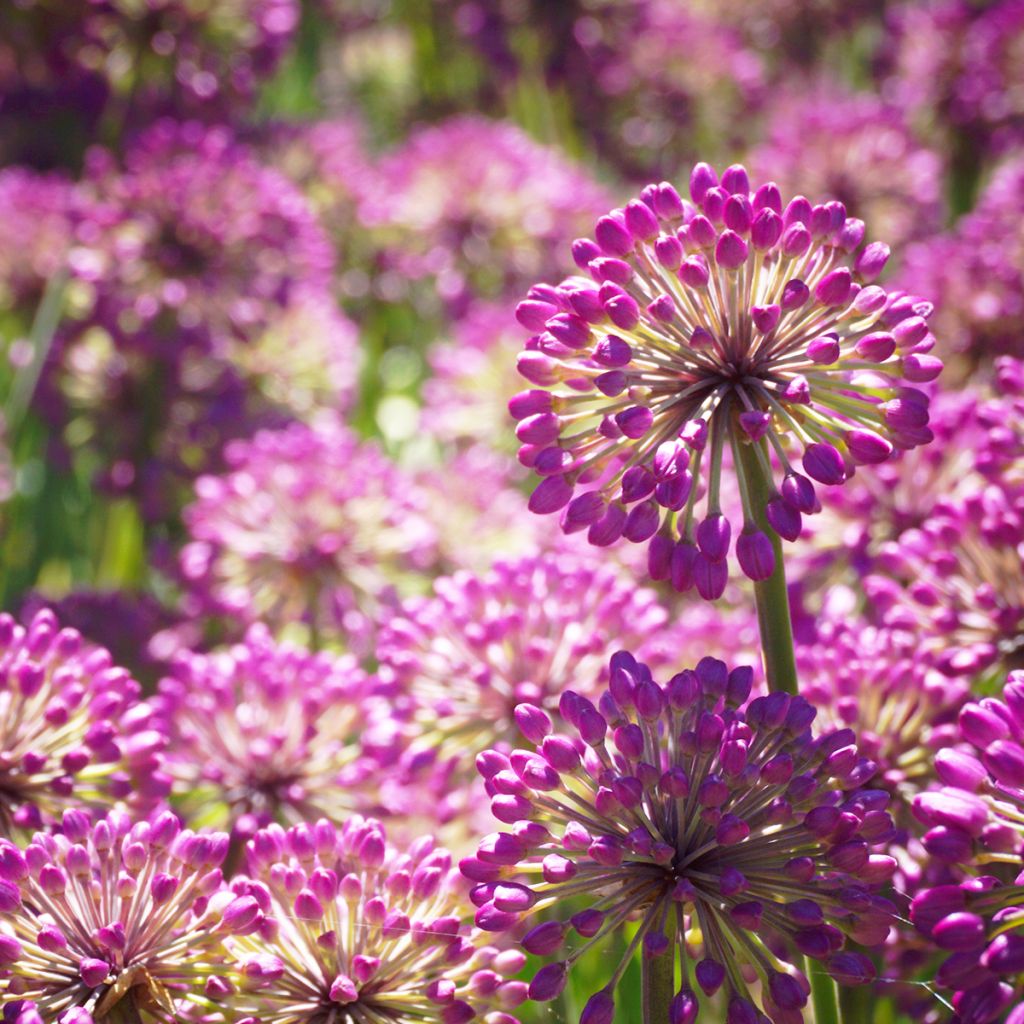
x=352, y=928
x=307, y=524
x=732, y=326
x=73, y=731
x=957, y=580
x=857, y=148
x=103, y=920
x=877, y=682
x=976, y=274
x=265, y=732
x=689, y=809
x=489, y=222
x=482, y=645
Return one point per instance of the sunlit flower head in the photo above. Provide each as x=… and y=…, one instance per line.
x=263, y=732
x=73, y=731
x=734, y=838
x=113, y=921
x=729, y=326
x=352, y=929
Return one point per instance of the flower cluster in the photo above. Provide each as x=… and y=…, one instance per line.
x=308, y=523
x=730, y=324
x=101, y=922
x=73, y=731
x=732, y=833
x=349, y=928
x=264, y=732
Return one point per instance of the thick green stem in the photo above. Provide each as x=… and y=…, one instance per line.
x=770, y=595
x=824, y=995
x=658, y=984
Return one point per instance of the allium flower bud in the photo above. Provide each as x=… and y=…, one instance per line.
x=389, y=943
x=691, y=809
x=114, y=917
x=724, y=356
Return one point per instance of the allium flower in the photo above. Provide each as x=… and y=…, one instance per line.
x=859, y=150
x=735, y=325
x=465, y=400
x=264, y=732
x=308, y=524
x=729, y=831
x=976, y=274
x=958, y=580
x=72, y=728
x=113, y=921
x=877, y=682
x=976, y=820
x=481, y=645
x=352, y=929
x=36, y=234
x=493, y=219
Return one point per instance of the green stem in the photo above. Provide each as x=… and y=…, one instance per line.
x=658, y=985
x=770, y=595
x=824, y=995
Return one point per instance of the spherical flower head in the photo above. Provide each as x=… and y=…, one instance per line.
x=194, y=240
x=73, y=730
x=351, y=928
x=878, y=682
x=264, y=732
x=489, y=222
x=724, y=827
x=855, y=147
x=976, y=274
x=726, y=325
x=957, y=580
x=977, y=816
x=116, y=918
x=468, y=656
x=308, y=523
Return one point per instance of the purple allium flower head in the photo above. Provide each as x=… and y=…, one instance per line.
x=308, y=522
x=958, y=580
x=975, y=820
x=979, y=812
x=723, y=825
x=36, y=234
x=352, y=928
x=976, y=274
x=73, y=731
x=100, y=921
x=877, y=682
x=264, y=732
x=522, y=632
x=194, y=238
x=859, y=150
x=494, y=219
x=729, y=325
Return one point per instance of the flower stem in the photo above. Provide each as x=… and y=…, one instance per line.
x=770, y=595
x=824, y=996
x=658, y=984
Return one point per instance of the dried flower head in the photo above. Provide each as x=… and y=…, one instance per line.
x=724, y=827
x=113, y=921
x=265, y=732
x=351, y=929
x=732, y=325
x=72, y=728
x=309, y=523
